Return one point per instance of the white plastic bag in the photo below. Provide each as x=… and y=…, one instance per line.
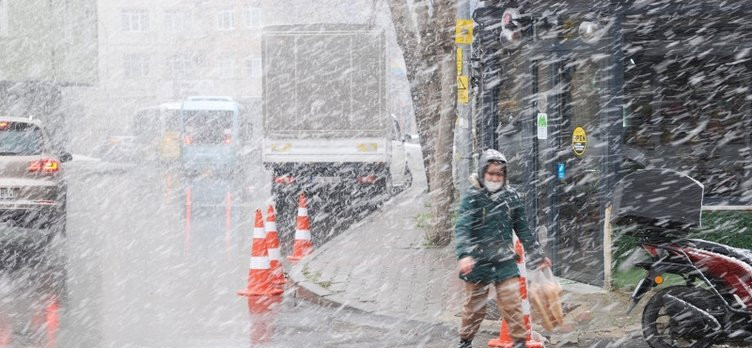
x=545, y=298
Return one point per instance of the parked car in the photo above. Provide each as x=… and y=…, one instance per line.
x=32, y=187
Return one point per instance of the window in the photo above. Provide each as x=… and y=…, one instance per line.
x=21, y=139
x=253, y=67
x=253, y=17
x=198, y=59
x=694, y=117
x=226, y=19
x=208, y=126
x=135, y=20
x=136, y=65
x=226, y=68
x=179, y=66
x=396, y=129
x=4, y=18
x=177, y=20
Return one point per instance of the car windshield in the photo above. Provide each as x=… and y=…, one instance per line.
x=208, y=127
x=20, y=139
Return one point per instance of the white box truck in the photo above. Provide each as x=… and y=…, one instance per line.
x=324, y=106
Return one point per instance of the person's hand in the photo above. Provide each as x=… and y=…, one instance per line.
x=546, y=263
x=466, y=265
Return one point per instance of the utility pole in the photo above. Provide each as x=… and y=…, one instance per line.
x=463, y=130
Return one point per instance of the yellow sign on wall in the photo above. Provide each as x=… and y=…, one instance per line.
x=579, y=141
x=463, y=31
x=459, y=61
x=463, y=96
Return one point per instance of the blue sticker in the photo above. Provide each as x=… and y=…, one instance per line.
x=561, y=171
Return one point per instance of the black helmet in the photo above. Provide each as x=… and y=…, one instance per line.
x=487, y=157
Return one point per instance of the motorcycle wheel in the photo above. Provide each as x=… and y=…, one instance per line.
x=656, y=320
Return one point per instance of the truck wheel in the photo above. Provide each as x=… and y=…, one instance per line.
x=285, y=201
x=406, y=183
x=381, y=191
x=408, y=178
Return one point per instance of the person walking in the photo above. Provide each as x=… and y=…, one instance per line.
x=488, y=215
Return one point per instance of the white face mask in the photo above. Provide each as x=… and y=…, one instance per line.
x=493, y=186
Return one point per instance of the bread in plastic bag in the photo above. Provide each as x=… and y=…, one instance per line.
x=545, y=298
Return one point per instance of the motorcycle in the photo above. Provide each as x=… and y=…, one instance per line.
x=714, y=303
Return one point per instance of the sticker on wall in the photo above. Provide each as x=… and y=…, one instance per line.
x=463, y=32
x=579, y=141
x=463, y=96
x=459, y=61
x=561, y=171
x=542, y=125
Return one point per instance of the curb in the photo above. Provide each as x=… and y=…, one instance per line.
x=313, y=293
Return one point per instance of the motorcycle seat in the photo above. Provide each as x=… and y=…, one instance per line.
x=739, y=254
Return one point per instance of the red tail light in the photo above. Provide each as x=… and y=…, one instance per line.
x=44, y=166
x=651, y=250
x=188, y=140
x=4, y=125
x=228, y=135
x=368, y=179
x=287, y=179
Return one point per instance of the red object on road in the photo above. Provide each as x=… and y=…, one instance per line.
x=259, y=274
x=262, y=316
x=6, y=331
x=303, y=245
x=272, y=244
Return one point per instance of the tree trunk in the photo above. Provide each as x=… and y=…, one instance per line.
x=442, y=190
x=431, y=73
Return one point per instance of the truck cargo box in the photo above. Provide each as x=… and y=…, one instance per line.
x=324, y=81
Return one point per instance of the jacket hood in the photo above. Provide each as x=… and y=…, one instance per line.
x=474, y=181
x=487, y=157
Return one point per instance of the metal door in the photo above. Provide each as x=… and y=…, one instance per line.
x=574, y=89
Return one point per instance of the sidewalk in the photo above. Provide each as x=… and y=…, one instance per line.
x=381, y=266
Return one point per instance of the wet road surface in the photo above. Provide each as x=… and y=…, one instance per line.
x=155, y=259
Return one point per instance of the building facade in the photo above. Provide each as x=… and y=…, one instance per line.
x=46, y=46
x=155, y=52
x=611, y=86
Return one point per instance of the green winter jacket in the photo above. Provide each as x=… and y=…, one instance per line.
x=484, y=231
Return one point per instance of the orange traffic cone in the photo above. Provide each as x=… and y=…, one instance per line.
x=303, y=245
x=263, y=304
x=272, y=243
x=259, y=274
x=504, y=340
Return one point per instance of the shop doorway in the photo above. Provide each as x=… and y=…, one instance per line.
x=579, y=163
